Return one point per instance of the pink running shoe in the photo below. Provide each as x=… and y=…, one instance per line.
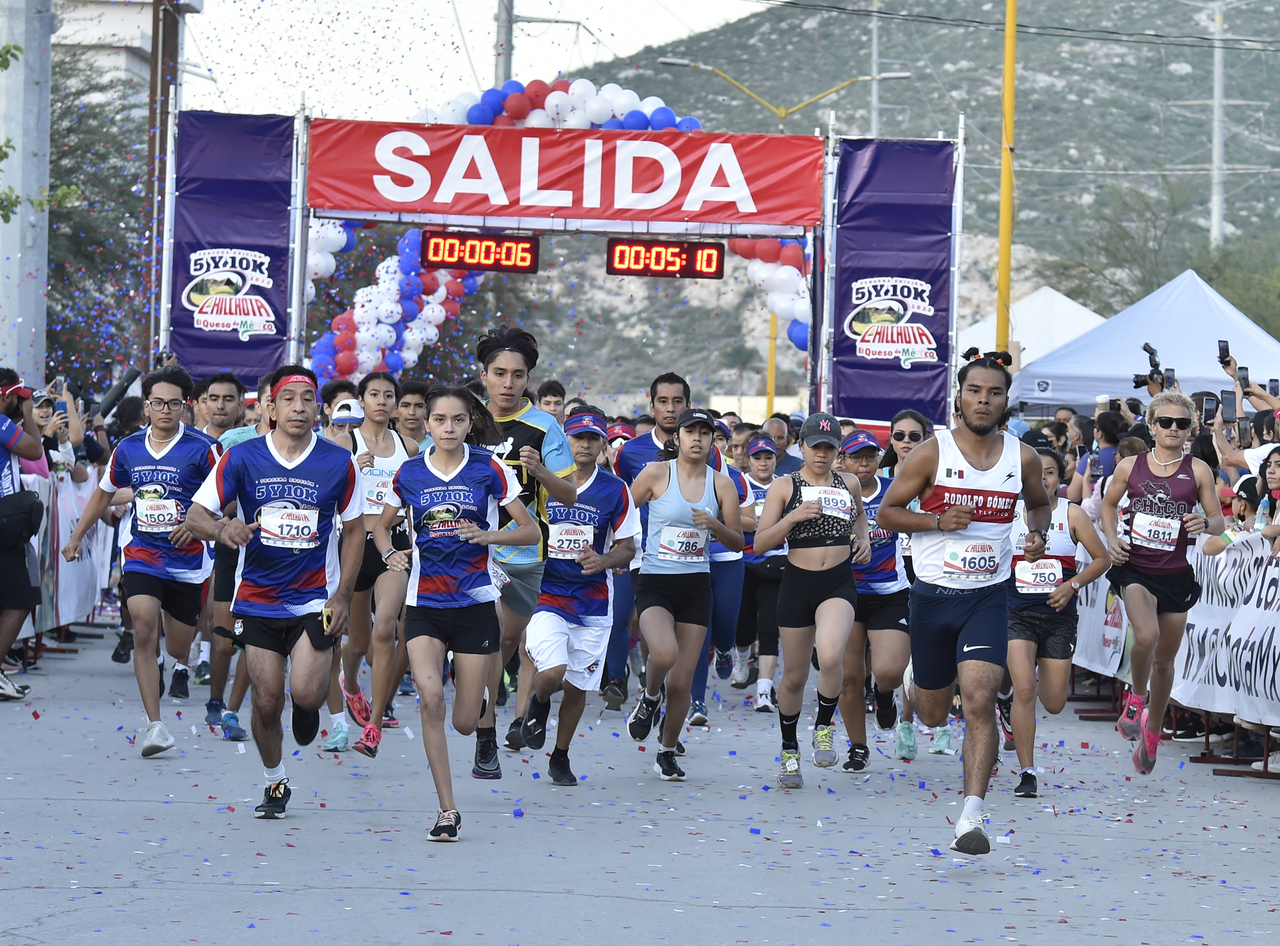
x=367, y=744
x=1129, y=724
x=1144, y=757
x=360, y=709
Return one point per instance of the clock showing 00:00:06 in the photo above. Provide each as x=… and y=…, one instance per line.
x=499, y=254
x=660, y=258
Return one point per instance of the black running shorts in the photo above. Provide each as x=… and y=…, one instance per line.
x=1175, y=593
x=470, y=630
x=1053, y=634
x=686, y=597
x=178, y=599
x=802, y=591
x=280, y=634
x=889, y=612
x=372, y=566
x=225, y=562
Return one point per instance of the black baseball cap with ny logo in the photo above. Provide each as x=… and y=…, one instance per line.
x=820, y=428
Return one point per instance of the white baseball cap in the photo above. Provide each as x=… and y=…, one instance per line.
x=347, y=411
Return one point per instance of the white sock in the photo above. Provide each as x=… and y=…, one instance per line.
x=1006, y=696
x=972, y=807
x=744, y=654
x=160, y=660
x=273, y=775
x=337, y=721
x=1030, y=769
x=178, y=666
x=204, y=651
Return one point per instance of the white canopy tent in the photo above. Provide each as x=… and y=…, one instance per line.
x=1040, y=323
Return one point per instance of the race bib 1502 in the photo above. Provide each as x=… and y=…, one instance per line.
x=156, y=515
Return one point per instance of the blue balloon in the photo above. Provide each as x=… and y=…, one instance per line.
x=662, y=118
x=469, y=284
x=400, y=327
x=614, y=123
x=798, y=332
x=494, y=98
x=409, y=309
x=394, y=362
x=635, y=120
x=511, y=87
x=352, y=239
x=480, y=114
x=688, y=123
x=411, y=262
x=410, y=241
x=321, y=364
x=410, y=287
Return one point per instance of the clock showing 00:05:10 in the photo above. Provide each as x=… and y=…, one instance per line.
x=478, y=251
x=661, y=258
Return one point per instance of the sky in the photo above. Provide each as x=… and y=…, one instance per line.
x=386, y=60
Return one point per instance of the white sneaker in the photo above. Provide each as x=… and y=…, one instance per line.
x=766, y=698
x=156, y=740
x=10, y=690
x=1273, y=763
x=741, y=670
x=908, y=681
x=941, y=740
x=971, y=836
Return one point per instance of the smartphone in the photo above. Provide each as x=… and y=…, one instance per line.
x=1210, y=409
x=1242, y=376
x=1273, y=387
x=60, y=406
x=1115, y=404
x=1224, y=351
x=1169, y=378
x=1228, y=403
x=1095, y=466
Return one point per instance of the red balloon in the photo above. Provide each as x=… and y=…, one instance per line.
x=792, y=255
x=370, y=224
x=380, y=366
x=768, y=250
x=536, y=91
x=346, y=361
x=429, y=284
x=503, y=121
x=744, y=248
x=560, y=85
x=517, y=105
x=345, y=341
x=455, y=290
x=452, y=307
x=458, y=273
x=344, y=323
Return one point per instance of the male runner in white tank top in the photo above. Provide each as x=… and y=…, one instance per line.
x=967, y=480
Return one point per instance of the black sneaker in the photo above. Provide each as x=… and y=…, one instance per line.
x=201, y=679
x=486, y=765
x=274, y=800
x=886, y=709
x=179, y=687
x=1004, y=709
x=559, y=772
x=666, y=767
x=640, y=723
x=446, y=826
x=305, y=725
x=615, y=694
x=1191, y=729
x=1027, y=787
x=124, y=647
x=533, y=733
x=502, y=692
x=515, y=734
x=679, y=748
x=859, y=755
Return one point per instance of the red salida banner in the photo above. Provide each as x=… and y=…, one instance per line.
x=469, y=170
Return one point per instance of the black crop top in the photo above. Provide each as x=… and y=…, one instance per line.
x=830, y=529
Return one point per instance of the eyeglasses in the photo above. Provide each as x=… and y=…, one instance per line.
x=913, y=435
x=1165, y=421
x=158, y=405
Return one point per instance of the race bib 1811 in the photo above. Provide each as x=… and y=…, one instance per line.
x=1155, y=532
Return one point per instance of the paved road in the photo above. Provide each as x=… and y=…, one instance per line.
x=102, y=846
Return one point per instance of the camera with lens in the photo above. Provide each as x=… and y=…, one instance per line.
x=1153, y=358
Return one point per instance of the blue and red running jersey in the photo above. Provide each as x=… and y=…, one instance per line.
x=758, y=493
x=602, y=513
x=164, y=484
x=885, y=573
x=448, y=572
x=290, y=566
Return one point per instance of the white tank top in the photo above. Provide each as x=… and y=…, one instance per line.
x=1059, y=561
x=376, y=480
x=979, y=555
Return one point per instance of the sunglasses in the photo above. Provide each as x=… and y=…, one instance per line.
x=1165, y=421
x=914, y=436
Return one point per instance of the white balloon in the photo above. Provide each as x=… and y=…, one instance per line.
x=577, y=119
x=557, y=105
x=467, y=99
x=310, y=291
x=753, y=272
x=625, y=101
x=431, y=334
x=368, y=358
x=326, y=235
x=609, y=89
x=599, y=109
x=779, y=303
x=784, y=279
x=539, y=118
x=413, y=336
x=385, y=335
x=801, y=308
x=453, y=114
x=364, y=295
x=388, y=312
x=410, y=357
x=434, y=313
x=367, y=338
x=765, y=271
x=388, y=269
x=432, y=117
x=581, y=91
x=365, y=315
x=648, y=105
x=320, y=264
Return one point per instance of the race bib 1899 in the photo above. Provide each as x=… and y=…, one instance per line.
x=835, y=501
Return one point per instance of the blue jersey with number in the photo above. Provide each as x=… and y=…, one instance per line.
x=290, y=566
x=448, y=572
x=758, y=493
x=602, y=513
x=885, y=573
x=718, y=552
x=164, y=482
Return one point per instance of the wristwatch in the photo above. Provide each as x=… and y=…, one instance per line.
x=1043, y=533
x=1075, y=584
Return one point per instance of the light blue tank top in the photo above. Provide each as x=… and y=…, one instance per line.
x=675, y=546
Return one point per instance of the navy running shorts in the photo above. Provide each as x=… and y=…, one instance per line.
x=949, y=625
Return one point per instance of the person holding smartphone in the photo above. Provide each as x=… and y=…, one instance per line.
x=1233, y=455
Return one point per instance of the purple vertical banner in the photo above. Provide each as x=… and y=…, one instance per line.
x=891, y=295
x=229, y=309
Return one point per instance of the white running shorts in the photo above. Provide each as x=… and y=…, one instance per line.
x=552, y=641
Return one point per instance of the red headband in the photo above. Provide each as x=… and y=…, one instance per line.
x=291, y=379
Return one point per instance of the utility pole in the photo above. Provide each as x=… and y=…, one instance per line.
x=875, y=71
x=166, y=26
x=1219, y=123
x=1005, y=264
x=503, y=44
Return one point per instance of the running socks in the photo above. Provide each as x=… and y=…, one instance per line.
x=1006, y=696
x=338, y=720
x=273, y=775
x=204, y=651
x=972, y=807
x=787, y=723
x=178, y=666
x=826, y=709
x=560, y=755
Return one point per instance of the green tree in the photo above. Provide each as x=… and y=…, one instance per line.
x=10, y=199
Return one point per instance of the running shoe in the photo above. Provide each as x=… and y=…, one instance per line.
x=1191, y=729
x=697, y=713
x=1027, y=787
x=679, y=749
x=231, y=728
x=559, y=772
x=533, y=733
x=941, y=740
x=156, y=740
x=486, y=765
x=666, y=767
x=201, y=678
x=766, y=699
x=971, y=836
x=741, y=670
x=367, y=744
x=179, y=688
x=905, y=747
x=358, y=707
x=824, y=753
x=503, y=696
x=406, y=685
x=635, y=662
x=389, y=720
x=213, y=711
x=1271, y=763
x=1129, y=724
x=515, y=734
x=10, y=690
x=640, y=724
x=859, y=756
x=1004, y=710
x=274, y=800
x=790, y=775
x=124, y=647
x=724, y=664
x=446, y=826
x=886, y=708
x=305, y=724
x=1144, y=757
x=615, y=694
x=339, y=739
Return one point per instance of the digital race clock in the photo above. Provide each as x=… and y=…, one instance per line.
x=661, y=258
x=499, y=254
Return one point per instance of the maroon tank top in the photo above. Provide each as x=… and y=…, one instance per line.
x=1158, y=539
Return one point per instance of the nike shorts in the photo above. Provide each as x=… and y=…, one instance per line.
x=949, y=625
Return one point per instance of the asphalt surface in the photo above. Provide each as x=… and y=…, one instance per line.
x=102, y=846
